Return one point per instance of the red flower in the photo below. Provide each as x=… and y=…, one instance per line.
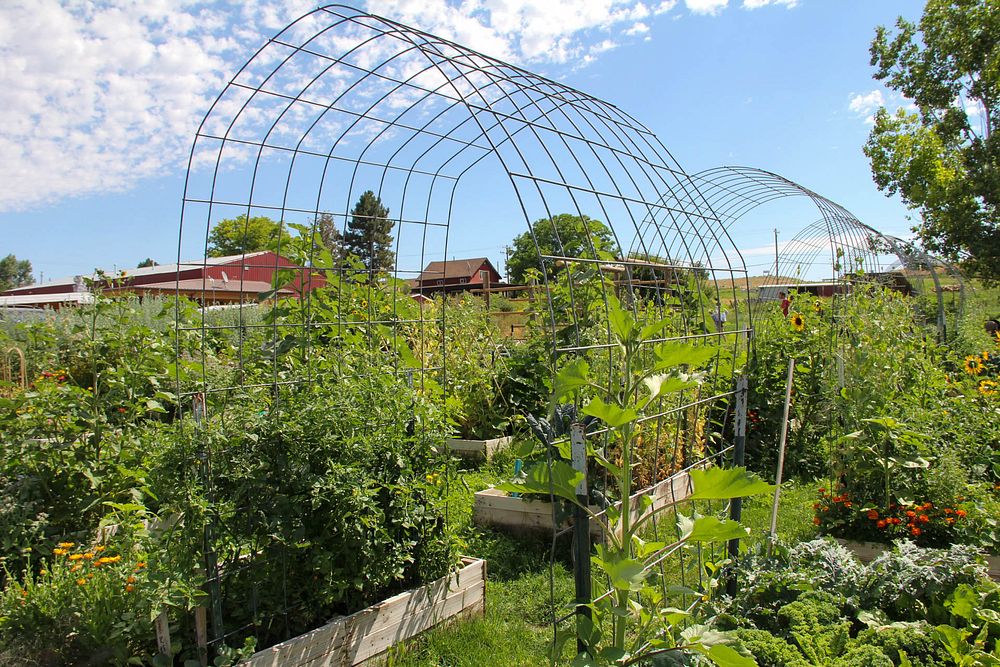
x=881, y=523
x=822, y=491
x=916, y=531
x=873, y=515
x=948, y=510
x=911, y=513
x=816, y=520
x=960, y=513
x=847, y=503
x=923, y=518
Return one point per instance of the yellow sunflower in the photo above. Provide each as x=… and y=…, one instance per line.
x=798, y=322
x=986, y=355
x=987, y=387
x=973, y=365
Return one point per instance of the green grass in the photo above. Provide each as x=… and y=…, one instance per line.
x=516, y=630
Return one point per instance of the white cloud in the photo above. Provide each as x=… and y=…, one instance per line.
x=98, y=96
x=710, y=7
x=865, y=104
x=757, y=4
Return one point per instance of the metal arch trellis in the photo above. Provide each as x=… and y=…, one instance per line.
x=341, y=102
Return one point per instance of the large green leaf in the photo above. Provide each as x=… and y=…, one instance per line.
x=710, y=529
x=672, y=354
x=571, y=377
x=626, y=574
x=562, y=482
x=621, y=321
x=963, y=602
x=609, y=413
x=727, y=656
x=726, y=483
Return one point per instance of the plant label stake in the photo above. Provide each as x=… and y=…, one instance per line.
x=581, y=529
x=739, y=455
x=773, y=535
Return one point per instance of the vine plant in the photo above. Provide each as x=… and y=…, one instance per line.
x=630, y=600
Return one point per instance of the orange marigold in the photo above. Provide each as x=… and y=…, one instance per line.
x=916, y=531
x=923, y=518
x=881, y=523
x=872, y=514
x=960, y=513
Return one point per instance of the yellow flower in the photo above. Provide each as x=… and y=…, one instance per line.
x=59, y=551
x=75, y=568
x=987, y=387
x=98, y=549
x=89, y=555
x=76, y=557
x=109, y=559
x=81, y=581
x=67, y=545
x=798, y=322
x=986, y=355
x=973, y=365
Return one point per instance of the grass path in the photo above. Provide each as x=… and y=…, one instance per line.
x=515, y=631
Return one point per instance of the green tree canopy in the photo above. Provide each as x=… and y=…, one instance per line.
x=15, y=272
x=149, y=261
x=564, y=234
x=369, y=234
x=235, y=236
x=943, y=158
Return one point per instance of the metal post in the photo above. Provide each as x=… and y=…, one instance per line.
x=739, y=457
x=581, y=530
x=773, y=534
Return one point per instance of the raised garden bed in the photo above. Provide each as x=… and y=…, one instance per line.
x=478, y=448
x=868, y=551
x=360, y=638
x=498, y=509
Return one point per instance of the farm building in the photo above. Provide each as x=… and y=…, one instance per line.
x=770, y=292
x=457, y=275
x=209, y=281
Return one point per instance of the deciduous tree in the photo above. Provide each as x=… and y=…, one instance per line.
x=15, y=272
x=942, y=157
x=564, y=235
x=235, y=236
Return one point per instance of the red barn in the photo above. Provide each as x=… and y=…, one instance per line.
x=213, y=280
x=457, y=275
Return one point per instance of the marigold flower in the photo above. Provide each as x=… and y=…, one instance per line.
x=59, y=551
x=923, y=518
x=911, y=513
x=43, y=572
x=960, y=513
x=872, y=514
x=816, y=520
x=915, y=531
x=950, y=521
x=81, y=581
x=109, y=559
x=129, y=588
x=140, y=565
x=848, y=504
x=947, y=510
x=881, y=523
x=100, y=548
x=76, y=556
x=75, y=568
x=24, y=593
x=89, y=555
x=131, y=579
x=822, y=490
x=67, y=545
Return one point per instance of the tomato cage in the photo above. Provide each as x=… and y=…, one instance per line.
x=377, y=148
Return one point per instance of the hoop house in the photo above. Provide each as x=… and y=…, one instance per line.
x=341, y=103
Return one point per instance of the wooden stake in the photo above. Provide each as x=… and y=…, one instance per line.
x=773, y=535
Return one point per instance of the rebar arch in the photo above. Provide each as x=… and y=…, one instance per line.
x=341, y=102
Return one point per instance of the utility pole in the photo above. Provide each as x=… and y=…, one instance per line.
x=506, y=271
x=777, y=274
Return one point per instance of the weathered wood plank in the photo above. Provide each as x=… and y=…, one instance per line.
x=478, y=448
x=354, y=639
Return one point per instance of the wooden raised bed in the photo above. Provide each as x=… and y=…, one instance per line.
x=478, y=448
x=363, y=636
x=497, y=509
x=866, y=552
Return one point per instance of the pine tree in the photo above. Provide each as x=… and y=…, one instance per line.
x=369, y=234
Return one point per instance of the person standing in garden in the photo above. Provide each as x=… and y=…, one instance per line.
x=785, y=303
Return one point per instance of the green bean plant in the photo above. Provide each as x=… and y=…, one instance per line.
x=631, y=620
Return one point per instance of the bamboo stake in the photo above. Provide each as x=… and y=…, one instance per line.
x=773, y=535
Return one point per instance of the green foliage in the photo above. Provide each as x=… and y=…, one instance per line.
x=562, y=235
x=770, y=651
x=942, y=159
x=369, y=234
x=239, y=235
x=14, y=273
x=632, y=620
x=915, y=640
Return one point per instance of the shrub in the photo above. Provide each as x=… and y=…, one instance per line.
x=768, y=650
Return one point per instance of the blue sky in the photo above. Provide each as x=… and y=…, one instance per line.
x=103, y=100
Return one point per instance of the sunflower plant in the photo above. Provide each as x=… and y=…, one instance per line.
x=631, y=620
